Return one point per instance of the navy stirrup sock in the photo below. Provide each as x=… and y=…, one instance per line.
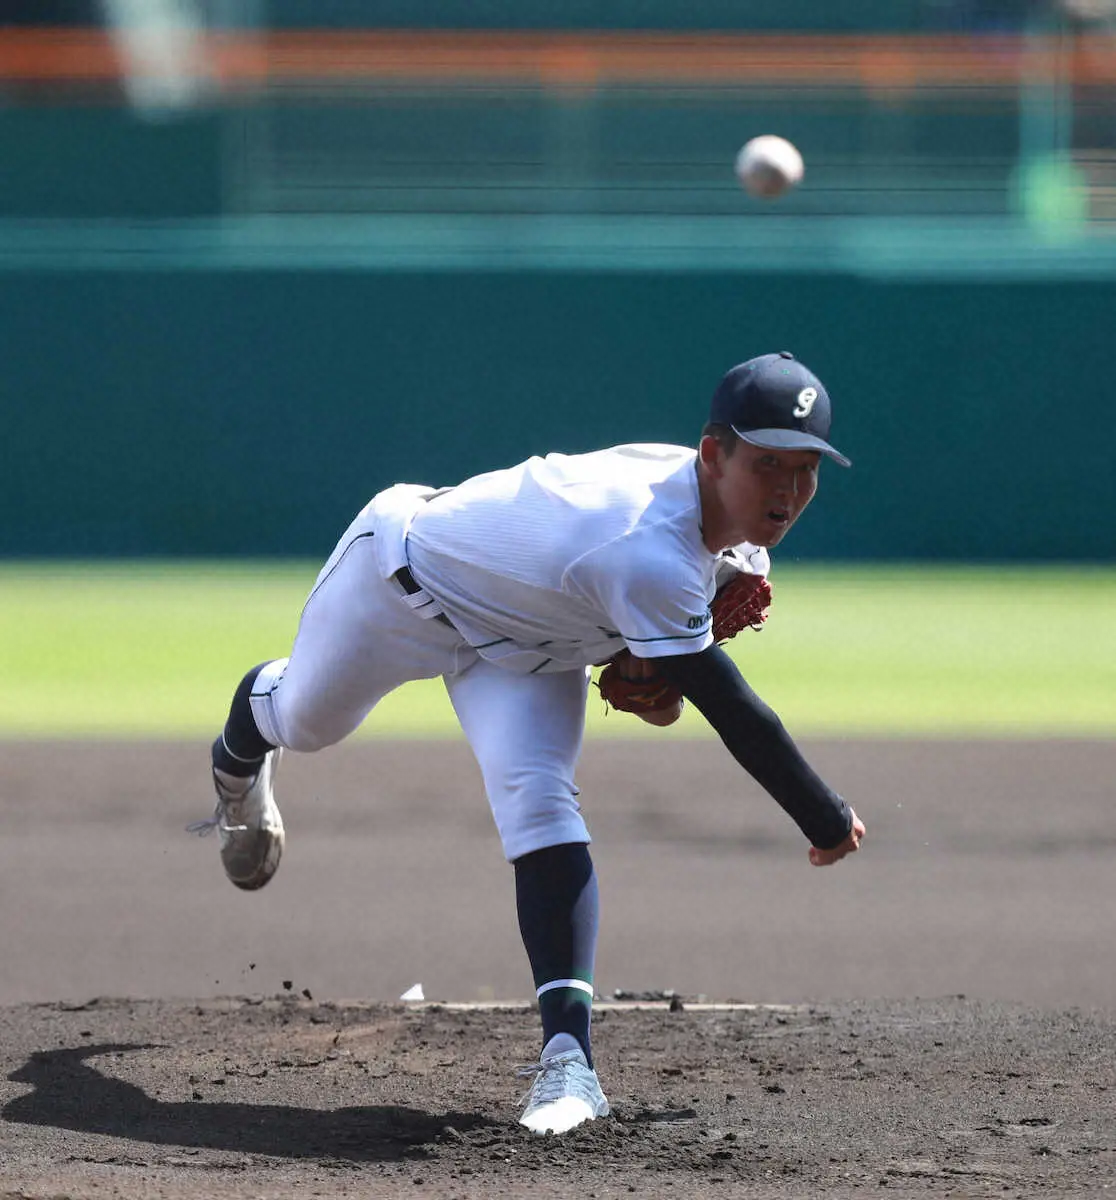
x=241, y=749
x=556, y=897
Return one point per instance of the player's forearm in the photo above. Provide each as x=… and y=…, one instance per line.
x=758, y=741
x=763, y=747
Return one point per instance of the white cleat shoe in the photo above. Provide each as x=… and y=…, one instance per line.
x=249, y=825
x=564, y=1094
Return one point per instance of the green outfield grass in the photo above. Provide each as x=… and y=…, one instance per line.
x=120, y=650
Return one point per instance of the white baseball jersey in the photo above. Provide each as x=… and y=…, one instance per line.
x=562, y=561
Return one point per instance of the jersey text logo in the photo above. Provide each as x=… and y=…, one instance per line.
x=698, y=622
x=806, y=401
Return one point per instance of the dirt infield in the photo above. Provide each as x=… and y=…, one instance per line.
x=936, y=1016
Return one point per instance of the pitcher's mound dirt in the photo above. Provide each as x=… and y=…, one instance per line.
x=285, y=1096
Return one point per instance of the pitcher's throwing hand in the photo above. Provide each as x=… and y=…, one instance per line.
x=823, y=858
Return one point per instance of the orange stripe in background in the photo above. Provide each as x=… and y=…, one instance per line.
x=873, y=62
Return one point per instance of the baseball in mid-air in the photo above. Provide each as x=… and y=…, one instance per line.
x=769, y=165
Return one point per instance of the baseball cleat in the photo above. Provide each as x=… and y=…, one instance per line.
x=565, y=1093
x=248, y=824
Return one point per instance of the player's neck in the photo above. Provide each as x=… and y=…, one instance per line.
x=715, y=532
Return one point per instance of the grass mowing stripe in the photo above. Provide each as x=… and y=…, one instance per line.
x=155, y=650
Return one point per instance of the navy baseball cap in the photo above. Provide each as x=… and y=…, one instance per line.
x=775, y=402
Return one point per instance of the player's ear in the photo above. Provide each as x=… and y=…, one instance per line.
x=711, y=456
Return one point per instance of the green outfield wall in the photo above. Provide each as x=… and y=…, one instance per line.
x=174, y=410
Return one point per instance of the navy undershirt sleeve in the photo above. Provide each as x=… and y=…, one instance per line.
x=758, y=741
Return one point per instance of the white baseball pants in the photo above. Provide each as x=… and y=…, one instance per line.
x=361, y=636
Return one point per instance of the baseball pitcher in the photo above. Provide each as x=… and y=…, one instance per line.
x=512, y=586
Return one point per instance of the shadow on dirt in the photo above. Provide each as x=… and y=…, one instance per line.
x=69, y=1094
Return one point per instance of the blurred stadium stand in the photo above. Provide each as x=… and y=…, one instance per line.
x=912, y=109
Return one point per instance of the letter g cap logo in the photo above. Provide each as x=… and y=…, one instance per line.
x=807, y=398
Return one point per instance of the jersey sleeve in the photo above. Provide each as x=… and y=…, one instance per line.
x=657, y=603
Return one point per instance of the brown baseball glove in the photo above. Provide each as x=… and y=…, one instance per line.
x=648, y=695
x=740, y=603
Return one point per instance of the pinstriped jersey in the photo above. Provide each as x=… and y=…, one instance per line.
x=560, y=562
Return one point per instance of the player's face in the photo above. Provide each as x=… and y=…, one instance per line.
x=755, y=495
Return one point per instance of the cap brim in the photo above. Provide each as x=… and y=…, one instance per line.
x=790, y=439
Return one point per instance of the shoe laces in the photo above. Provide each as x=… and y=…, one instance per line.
x=548, y=1076
x=219, y=819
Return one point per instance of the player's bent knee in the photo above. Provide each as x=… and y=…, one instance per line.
x=306, y=736
x=530, y=819
x=308, y=727
x=306, y=742
x=523, y=844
